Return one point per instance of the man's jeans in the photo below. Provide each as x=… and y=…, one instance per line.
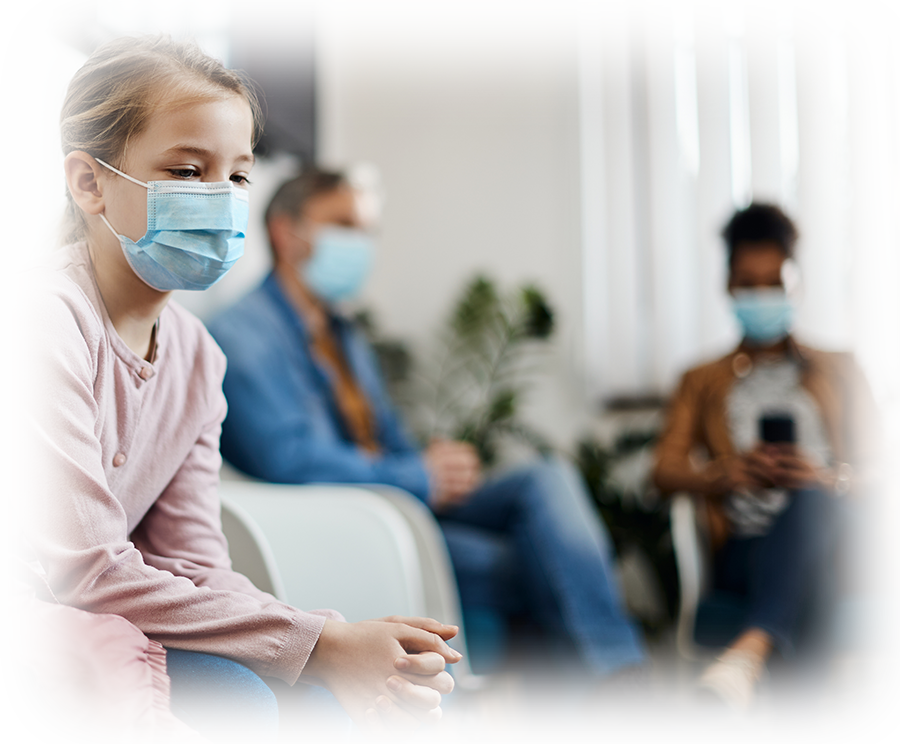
x=817, y=548
x=223, y=700
x=531, y=540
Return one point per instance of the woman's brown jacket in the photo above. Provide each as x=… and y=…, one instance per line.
x=696, y=423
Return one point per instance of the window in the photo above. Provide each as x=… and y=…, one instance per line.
x=686, y=117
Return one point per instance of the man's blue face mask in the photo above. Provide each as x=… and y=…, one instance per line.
x=765, y=314
x=195, y=233
x=340, y=263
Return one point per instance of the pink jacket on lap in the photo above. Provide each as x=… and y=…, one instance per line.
x=82, y=678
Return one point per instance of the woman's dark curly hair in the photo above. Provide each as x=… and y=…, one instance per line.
x=757, y=223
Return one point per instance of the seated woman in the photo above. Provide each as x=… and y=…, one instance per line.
x=770, y=488
x=158, y=141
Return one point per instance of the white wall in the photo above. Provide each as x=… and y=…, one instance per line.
x=36, y=69
x=474, y=127
x=471, y=116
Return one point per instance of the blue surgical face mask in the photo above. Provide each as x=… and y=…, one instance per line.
x=765, y=314
x=195, y=233
x=340, y=263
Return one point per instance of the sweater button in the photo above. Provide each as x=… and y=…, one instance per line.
x=146, y=373
x=119, y=460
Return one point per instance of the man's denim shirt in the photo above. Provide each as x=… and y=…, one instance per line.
x=283, y=424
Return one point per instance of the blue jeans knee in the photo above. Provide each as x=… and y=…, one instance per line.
x=216, y=696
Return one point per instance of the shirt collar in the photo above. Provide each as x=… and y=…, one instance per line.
x=272, y=288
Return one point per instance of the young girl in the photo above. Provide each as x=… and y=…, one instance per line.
x=158, y=140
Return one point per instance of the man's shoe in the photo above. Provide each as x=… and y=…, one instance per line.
x=624, y=709
x=730, y=681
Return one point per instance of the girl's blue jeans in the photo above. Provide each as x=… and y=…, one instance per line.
x=223, y=700
x=818, y=548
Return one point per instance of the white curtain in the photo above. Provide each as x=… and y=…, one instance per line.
x=689, y=112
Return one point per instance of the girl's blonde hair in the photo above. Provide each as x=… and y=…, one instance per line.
x=112, y=96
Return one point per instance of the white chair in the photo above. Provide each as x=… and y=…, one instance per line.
x=365, y=551
x=250, y=552
x=324, y=547
x=441, y=595
x=692, y=561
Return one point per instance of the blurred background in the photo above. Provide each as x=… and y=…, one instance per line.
x=592, y=149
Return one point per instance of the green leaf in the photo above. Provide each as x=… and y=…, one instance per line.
x=539, y=319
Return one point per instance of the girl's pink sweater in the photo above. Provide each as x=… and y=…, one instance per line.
x=109, y=471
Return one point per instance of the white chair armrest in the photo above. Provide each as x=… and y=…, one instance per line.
x=249, y=549
x=365, y=551
x=440, y=589
x=690, y=561
x=327, y=547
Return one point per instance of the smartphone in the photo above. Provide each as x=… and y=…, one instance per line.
x=777, y=428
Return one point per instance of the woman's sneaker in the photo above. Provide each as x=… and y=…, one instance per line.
x=730, y=681
x=625, y=709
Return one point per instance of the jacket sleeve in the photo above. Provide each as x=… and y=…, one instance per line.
x=680, y=434
x=282, y=425
x=79, y=530
x=182, y=531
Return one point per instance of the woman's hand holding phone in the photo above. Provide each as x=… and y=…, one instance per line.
x=783, y=465
x=792, y=470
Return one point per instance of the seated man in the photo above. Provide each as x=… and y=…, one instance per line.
x=306, y=403
x=785, y=429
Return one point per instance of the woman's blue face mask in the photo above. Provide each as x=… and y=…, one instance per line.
x=765, y=314
x=195, y=233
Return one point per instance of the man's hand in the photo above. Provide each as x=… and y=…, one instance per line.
x=385, y=672
x=455, y=472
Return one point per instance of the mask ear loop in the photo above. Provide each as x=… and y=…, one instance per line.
x=106, y=222
x=124, y=175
